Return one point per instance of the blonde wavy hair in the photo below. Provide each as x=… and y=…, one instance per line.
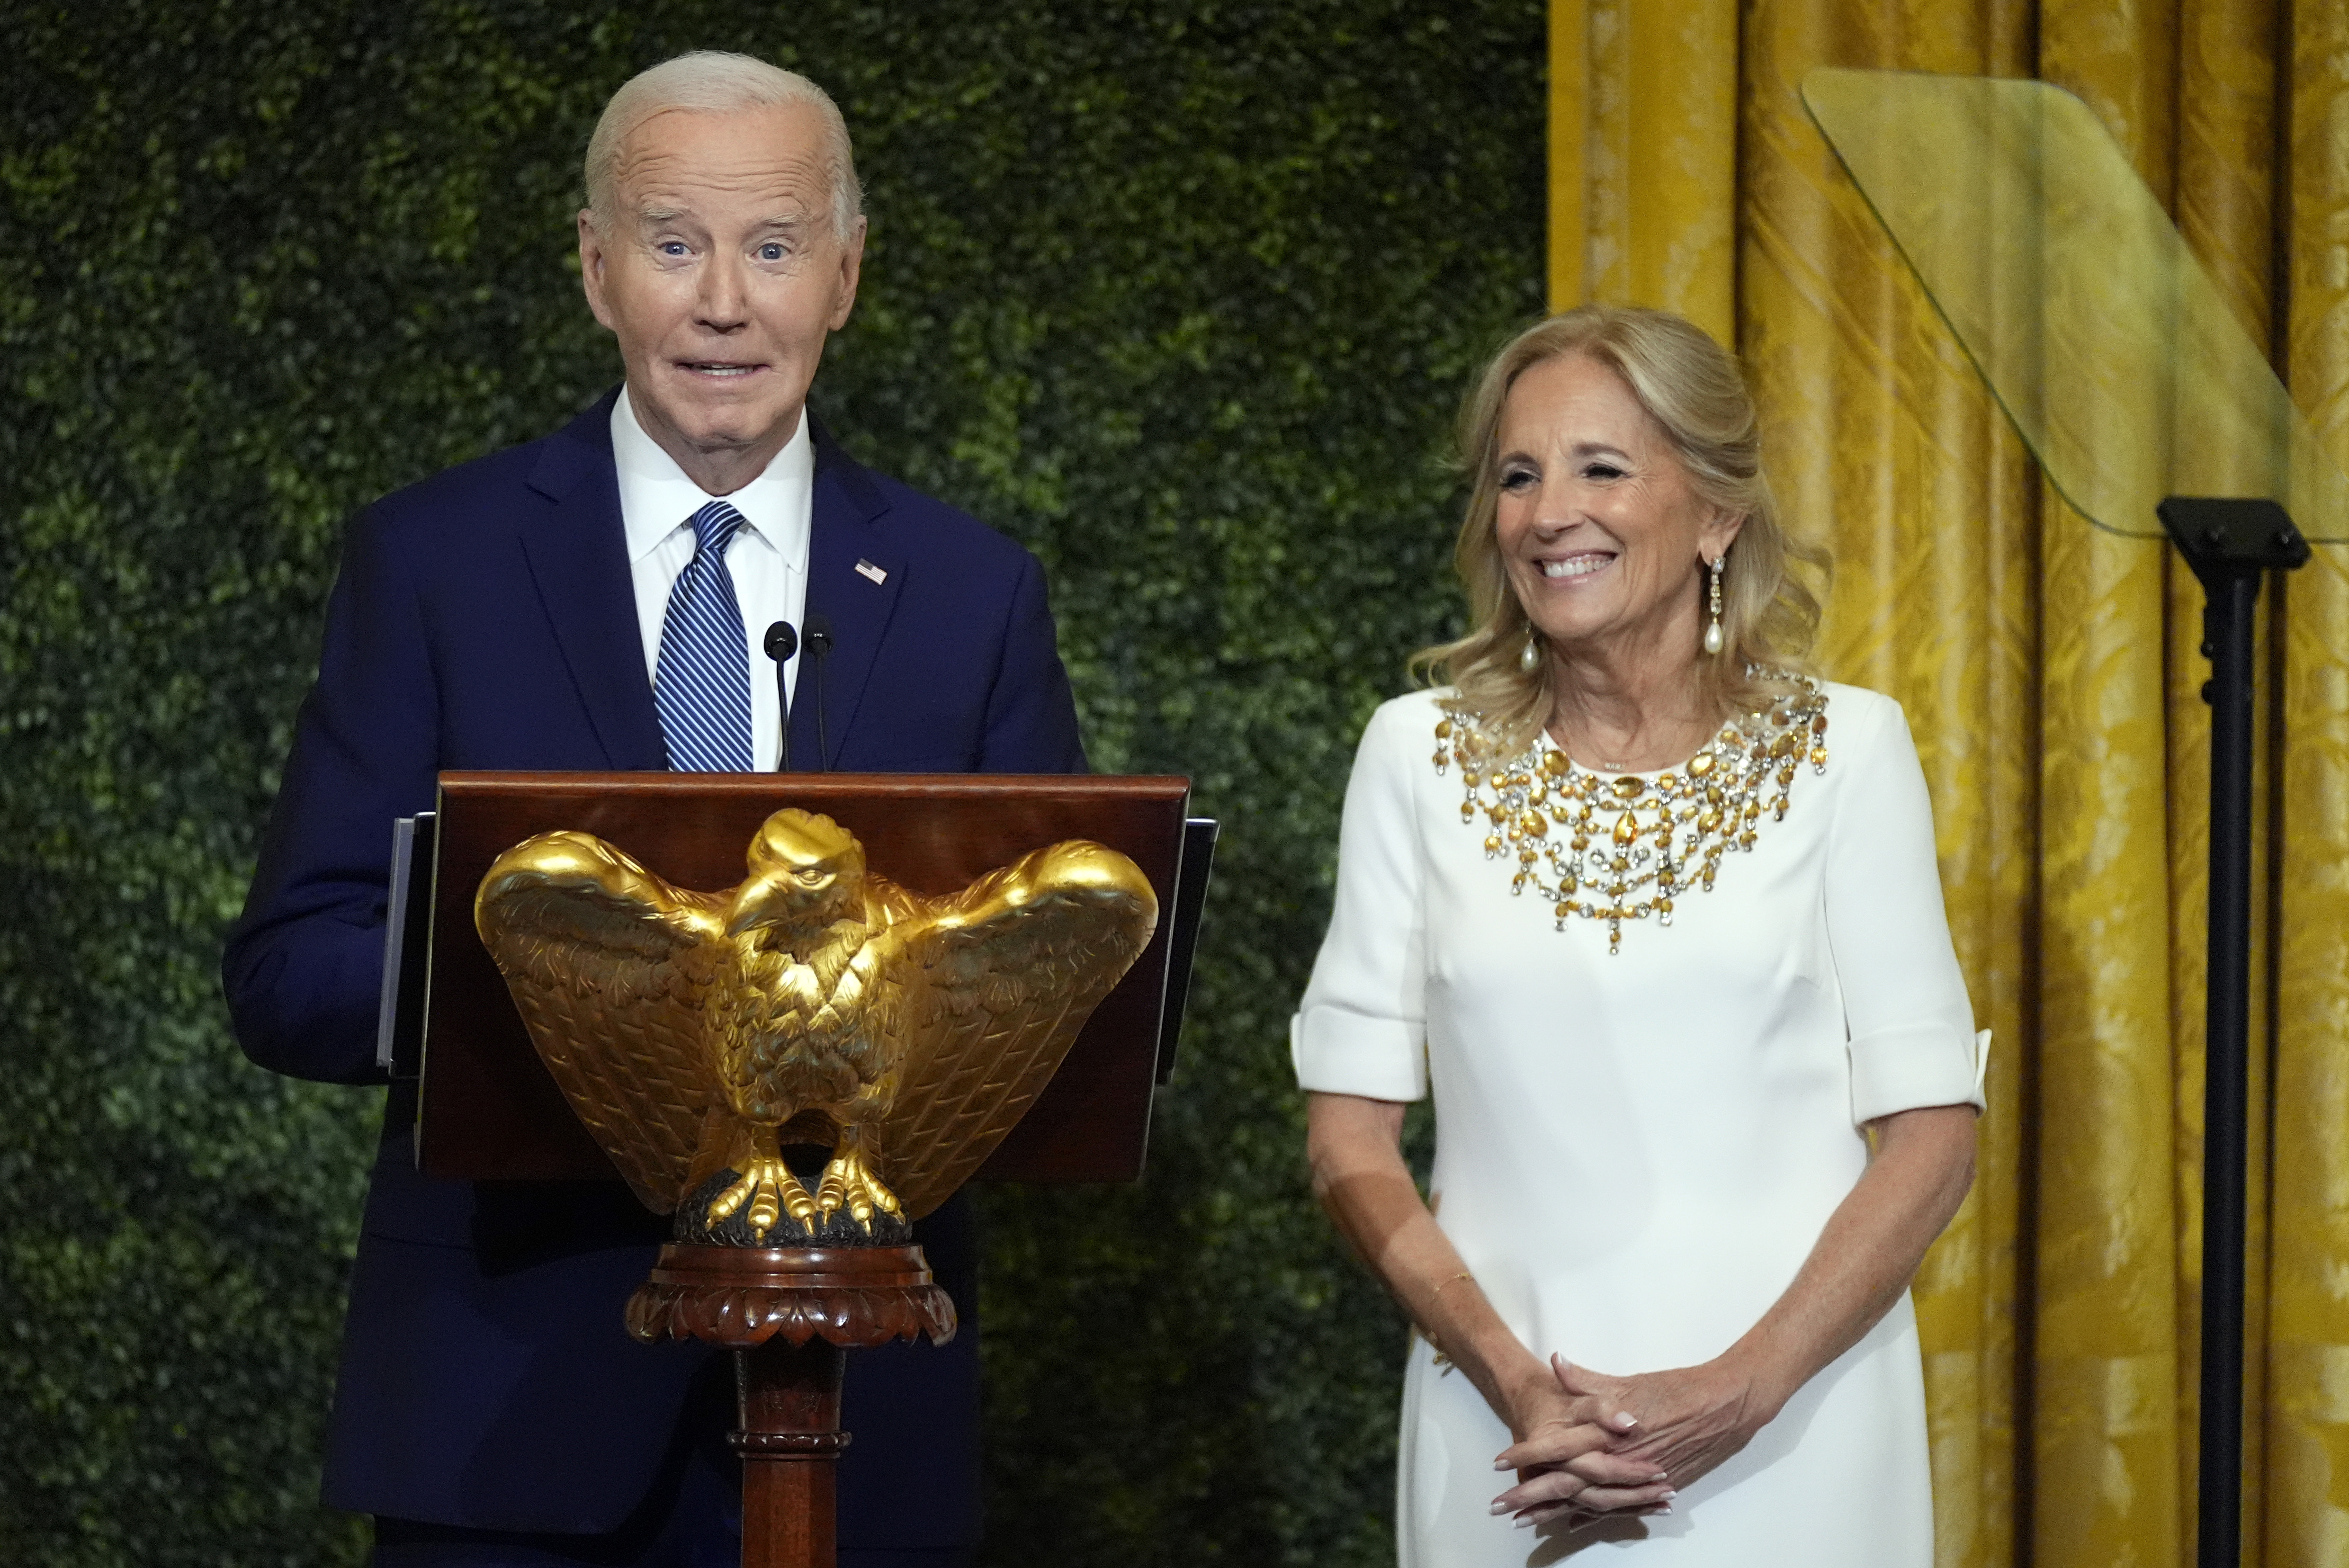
x=1693, y=391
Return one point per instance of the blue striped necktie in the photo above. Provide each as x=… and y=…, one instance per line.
x=701, y=681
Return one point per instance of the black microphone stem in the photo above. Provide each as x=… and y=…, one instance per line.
x=781, y=644
x=819, y=640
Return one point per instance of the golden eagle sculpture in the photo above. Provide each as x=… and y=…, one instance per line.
x=696, y=1034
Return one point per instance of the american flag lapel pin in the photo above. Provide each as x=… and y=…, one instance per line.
x=874, y=572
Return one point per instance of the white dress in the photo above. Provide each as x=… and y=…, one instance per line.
x=1636, y=1152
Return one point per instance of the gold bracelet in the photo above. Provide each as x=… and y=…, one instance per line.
x=1442, y=1357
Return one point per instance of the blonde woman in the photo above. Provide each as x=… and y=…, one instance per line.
x=1653, y=914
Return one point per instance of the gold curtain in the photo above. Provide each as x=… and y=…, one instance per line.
x=2052, y=674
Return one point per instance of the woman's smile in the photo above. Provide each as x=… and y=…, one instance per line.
x=1580, y=564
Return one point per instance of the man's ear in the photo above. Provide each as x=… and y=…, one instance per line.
x=591, y=265
x=852, y=267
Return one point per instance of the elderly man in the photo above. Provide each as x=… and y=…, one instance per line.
x=595, y=599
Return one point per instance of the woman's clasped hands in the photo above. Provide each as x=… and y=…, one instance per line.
x=1590, y=1444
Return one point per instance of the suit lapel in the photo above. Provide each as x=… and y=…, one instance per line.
x=843, y=536
x=578, y=557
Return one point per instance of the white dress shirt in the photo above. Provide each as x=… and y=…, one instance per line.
x=767, y=557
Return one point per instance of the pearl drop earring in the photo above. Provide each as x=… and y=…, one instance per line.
x=1529, y=656
x=1713, y=638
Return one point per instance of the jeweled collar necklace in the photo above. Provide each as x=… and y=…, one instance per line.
x=1668, y=831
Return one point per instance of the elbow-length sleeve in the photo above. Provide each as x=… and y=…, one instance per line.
x=1361, y=1028
x=1910, y=1026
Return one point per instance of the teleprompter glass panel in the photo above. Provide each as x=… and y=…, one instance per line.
x=2100, y=333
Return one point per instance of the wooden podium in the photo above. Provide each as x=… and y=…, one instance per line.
x=488, y=1109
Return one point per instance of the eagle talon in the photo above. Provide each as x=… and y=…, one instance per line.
x=847, y=1184
x=771, y=1191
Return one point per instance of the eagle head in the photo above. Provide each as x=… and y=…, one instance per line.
x=806, y=873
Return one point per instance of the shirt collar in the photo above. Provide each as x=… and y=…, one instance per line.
x=656, y=498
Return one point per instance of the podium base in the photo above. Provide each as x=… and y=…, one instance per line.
x=789, y=1314
x=743, y=1296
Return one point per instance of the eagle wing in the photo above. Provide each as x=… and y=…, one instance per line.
x=611, y=967
x=996, y=982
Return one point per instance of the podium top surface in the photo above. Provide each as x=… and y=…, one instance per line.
x=930, y=832
x=490, y=1110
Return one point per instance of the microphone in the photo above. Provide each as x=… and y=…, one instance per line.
x=819, y=642
x=780, y=645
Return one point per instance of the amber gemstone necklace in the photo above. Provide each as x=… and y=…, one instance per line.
x=1665, y=834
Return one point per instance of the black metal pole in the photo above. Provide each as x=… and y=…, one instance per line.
x=2230, y=544
x=2226, y=1066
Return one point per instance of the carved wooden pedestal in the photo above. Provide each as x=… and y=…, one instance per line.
x=787, y=1314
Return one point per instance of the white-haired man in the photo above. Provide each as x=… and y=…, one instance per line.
x=592, y=600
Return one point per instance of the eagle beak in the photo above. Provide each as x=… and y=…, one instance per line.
x=753, y=903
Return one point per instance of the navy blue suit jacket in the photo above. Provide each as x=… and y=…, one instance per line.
x=485, y=619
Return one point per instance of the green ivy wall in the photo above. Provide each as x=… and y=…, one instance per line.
x=1180, y=294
